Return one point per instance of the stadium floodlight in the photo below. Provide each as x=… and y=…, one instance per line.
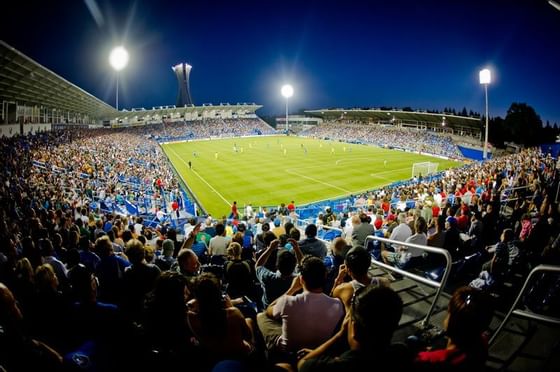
x=118, y=59
x=287, y=91
x=554, y=4
x=485, y=77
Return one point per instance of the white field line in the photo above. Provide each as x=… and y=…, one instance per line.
x=201, y=178
x=289, y=171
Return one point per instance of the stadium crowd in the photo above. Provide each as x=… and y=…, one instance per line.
x=83, y=290
x=211, y=128
x=387, y=136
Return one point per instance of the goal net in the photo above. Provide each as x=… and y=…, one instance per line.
x=424, y=169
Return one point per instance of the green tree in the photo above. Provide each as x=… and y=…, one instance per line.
x=523, y=125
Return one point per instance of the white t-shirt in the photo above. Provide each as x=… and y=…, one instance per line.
x=218, y=245
x=308, y=319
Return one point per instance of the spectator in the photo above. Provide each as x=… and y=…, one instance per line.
x=357, y=263
x=274, y=284
x=362, y=230
x=298, y=327
x=374, y=316
x=218, y=326
x=311, y=245
x=468, y=316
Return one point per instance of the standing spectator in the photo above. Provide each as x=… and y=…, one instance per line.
x=234, y=214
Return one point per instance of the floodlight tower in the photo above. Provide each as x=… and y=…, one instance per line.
x=287, y=91
x=118, y=59
x=485, y=77
x=182, y=72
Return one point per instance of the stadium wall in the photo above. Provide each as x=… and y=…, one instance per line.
x=473, y=154
x=9, y=130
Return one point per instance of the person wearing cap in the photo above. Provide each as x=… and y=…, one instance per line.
x=166, y=260
x=278, y=228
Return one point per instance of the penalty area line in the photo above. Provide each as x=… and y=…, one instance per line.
x=201, y=178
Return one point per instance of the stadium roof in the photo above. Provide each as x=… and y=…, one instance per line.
x=172, y=110
x=410, y=117
x=24, y=81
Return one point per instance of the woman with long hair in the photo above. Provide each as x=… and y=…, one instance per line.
x=220, y=329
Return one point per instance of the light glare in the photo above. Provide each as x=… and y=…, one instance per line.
x=118, y=58
x=485, y=76
x=287, y=91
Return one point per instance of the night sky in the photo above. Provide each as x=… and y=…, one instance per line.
x=423, y=54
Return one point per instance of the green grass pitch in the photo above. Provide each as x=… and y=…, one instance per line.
x=267, y=171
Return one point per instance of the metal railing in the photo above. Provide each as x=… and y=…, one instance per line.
x=413, y=276
x=525, y=313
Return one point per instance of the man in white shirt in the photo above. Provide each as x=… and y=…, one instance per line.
x=218, y=244
x=307, y=319
x=402, y=231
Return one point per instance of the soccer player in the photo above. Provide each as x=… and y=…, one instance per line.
x=332, y=150
x=385, y=163
x=216, y=156
x=190, y=165
x=285, y=152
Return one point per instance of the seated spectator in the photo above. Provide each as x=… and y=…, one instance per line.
x=87, y=257
x=259, y=239
x=468, y=316
x=238, y=273
x=333, y=261
x=276, y=283
x=168, y=301
x=311, y=245
x=97, y=329
x=504, y=256
x=139, y=279
x=219, y=327
x=219, y=243
x=187, y=264
x=290, y=322
x=50, y=310
x=362, y=230
x=166, y=260
x=375, y=313
x=404, y=256
x=110, y=271
x=357, y=263
x=20, y=352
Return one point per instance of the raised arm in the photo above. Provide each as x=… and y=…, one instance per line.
x=264, y=257
x=297, y=250
x=189, y=241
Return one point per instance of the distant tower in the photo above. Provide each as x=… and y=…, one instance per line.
x=182, y=71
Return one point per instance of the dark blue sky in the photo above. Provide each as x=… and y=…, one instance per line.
x=424, y=54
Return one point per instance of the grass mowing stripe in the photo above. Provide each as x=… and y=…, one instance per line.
x=263, y=175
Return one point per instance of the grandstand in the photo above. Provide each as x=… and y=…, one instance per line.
x=447, y=123
x=98, y=260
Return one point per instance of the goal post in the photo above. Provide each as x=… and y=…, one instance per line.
x=424, y=169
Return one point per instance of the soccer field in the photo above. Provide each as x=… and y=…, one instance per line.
x=267, y=171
